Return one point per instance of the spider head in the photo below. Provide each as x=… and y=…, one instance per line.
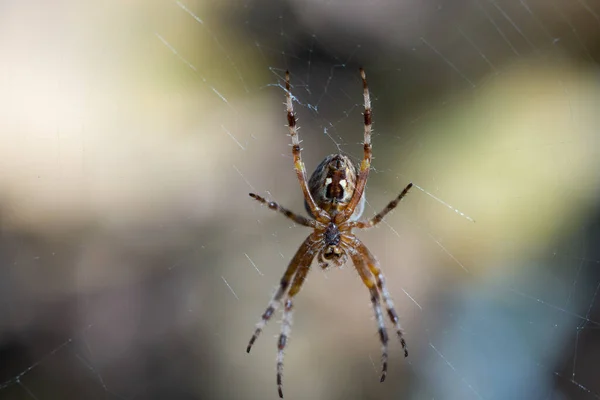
x=331, y=238
x=332, y=185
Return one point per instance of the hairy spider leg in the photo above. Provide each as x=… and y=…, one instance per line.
x=387, y=298
x=299, y=258
x=379, y=217
x=369, y=281
x=320, y=215
x=299, y=219
x=286, y=323
x=365, y=165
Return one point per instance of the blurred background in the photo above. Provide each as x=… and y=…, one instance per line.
x=133, y=264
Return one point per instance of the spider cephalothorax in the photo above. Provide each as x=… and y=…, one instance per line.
x=334, y=198
x=332, y=251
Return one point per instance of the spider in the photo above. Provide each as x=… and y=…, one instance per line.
x=334, y=199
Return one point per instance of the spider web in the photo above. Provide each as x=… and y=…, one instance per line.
x=135, y=266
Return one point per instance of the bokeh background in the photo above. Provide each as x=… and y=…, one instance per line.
x=133, y=264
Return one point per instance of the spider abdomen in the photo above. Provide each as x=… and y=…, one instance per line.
x=332, y=186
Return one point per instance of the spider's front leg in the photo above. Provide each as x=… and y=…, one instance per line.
x=303, y=255
x=297, y=269
x=286, y=322
x=373, y=265
x=369, y=281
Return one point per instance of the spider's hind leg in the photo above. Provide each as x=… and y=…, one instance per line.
x=315, y=211
x=365, y=165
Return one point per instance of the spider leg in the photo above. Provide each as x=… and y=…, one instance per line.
x=365, y=165
x=286, y=323
x=379, y=217
x=369, y=281
x=305, y=251
x=299, y=219
x=373, y=265
x=296, y=151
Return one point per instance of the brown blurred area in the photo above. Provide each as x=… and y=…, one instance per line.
x=134, y=265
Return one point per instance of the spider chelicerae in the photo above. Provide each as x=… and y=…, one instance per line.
x=334, y=198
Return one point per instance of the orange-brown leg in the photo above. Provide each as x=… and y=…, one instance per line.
x=373, y=265
x=299, y=219
x=299, y=259
x=369, y=281
x=379, y=217
x=365, y=165
x=319, y=214
x=286, y=322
